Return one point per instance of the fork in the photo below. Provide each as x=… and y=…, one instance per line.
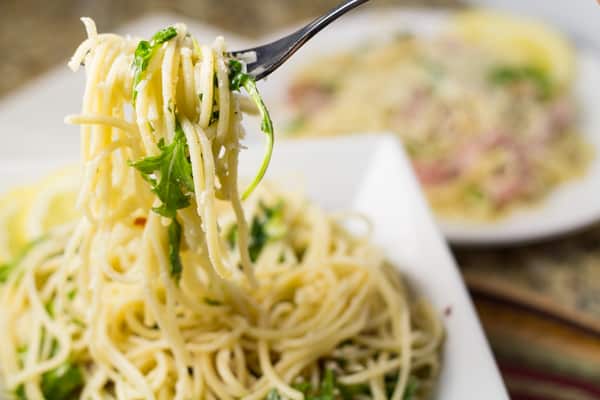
x=262, y=60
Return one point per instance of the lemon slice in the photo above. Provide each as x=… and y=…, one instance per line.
x=12, y=213
x=52, y=203
x=519, y=41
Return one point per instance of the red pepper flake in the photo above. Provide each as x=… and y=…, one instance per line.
x=139, y=221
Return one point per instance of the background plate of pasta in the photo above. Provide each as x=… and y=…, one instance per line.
x=495, y=111
x=179, y=260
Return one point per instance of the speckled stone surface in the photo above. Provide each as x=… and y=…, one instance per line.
x=37, y=34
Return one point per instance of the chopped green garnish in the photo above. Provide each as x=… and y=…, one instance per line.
x=474, y=192
x=350, y=391
x=72, y=293
x=174, y=231
x=327, y=390
x=214, y=117
x=295, y=124
x=20, y=392
x=170, y=175
x=434, y=69
x=266, y=225
x=328, y=385
x=238, y=79
x=331, y=389
x=212, y=302
x=163, y=35
x=50, y=308
x=63, y=382
x=237, y=76
x=7, y=268
x=144, y=52
x=411, y=389
x=231, y=236
x=507, y=74
x=411, y=386
x=273, y=395
x=304, y=387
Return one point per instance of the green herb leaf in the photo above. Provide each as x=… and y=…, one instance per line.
x=296, y=124
x=237, y=76
x=212, y=302
x=7, y=268
x=328, y=385
x=411, y=386
x=273, y=395
x=232, y=236
x=63, y=382
x=327, y=390
x=237, y=80
x=72, y=293
x=144, y=52
x=350, y=391
x=164, y=35
x=170, y=176
x=304, y=387
x=506, y=74
x=20, y=392
x=266, y=225
x=174, y=246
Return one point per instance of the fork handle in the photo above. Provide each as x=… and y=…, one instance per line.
x=282, y=46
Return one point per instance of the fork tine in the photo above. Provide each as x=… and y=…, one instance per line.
x=262, y=60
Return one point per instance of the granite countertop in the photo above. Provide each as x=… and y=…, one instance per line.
x=38, y=34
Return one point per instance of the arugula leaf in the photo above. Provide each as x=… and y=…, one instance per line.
x=304, y=387
x=7, y=268
x=350, y=391
x=330, y=389
x=71, y=295
x=237, y=76
x=327, y=390
x=164, y=35
x=20, y=392
x=506, y=74
x=296, y=124
x=411, y=386
x=170, y=175
x=328, y=385
x=266, y=225
x=63, y=382
x=238, y=79
x=212, y=302
x=144, y=52
x=174, y=232
x=273, y=395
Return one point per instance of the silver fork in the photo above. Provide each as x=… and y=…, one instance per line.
x=262, y=60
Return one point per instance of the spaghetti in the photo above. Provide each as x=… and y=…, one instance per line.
x=486, y=113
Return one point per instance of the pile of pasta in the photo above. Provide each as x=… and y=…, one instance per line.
x=163, y=286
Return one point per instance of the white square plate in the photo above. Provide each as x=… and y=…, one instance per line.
x=355, y=173
x=346, y=173
x=372, y=175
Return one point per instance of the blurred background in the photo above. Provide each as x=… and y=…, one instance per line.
x=539, y=303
